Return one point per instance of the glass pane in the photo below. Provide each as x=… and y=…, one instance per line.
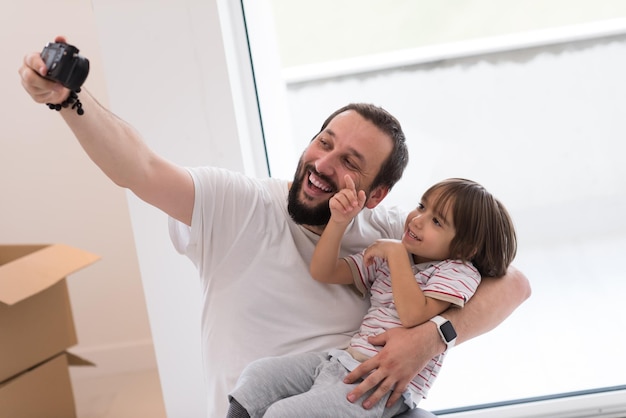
x=539, y=123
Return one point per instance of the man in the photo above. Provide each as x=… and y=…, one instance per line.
x=252, y=240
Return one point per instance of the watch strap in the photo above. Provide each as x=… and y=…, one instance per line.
x=446, y=331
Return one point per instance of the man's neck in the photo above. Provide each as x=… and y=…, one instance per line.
x=315, y=229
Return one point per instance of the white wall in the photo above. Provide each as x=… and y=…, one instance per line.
x=173, y=72
x=51, y=192
x=168, y=68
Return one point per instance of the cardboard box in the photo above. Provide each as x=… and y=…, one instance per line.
x=36, y=322
x=42, y=391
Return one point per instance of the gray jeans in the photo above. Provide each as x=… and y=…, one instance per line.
x=309, y=384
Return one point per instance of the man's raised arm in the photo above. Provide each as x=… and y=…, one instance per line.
x=115, y=146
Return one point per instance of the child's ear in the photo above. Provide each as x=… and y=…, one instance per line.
x=377, y=196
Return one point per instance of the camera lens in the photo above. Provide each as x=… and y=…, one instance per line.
x=79, y=73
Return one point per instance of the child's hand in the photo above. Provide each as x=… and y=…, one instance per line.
x=346, y=203
x=382, y=248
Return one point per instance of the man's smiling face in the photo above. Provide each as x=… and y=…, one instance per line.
x=350, y=144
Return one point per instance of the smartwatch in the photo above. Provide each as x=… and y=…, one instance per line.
x=446, y=331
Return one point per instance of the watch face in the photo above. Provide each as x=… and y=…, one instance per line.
x=448, y=331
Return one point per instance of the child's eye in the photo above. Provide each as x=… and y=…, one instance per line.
x=420, y=207
x=436, y=222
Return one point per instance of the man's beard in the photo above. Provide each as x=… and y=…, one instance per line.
x=300, y=213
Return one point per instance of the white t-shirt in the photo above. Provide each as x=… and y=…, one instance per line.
x=258, y=297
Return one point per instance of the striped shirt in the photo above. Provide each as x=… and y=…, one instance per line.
x=452, y=281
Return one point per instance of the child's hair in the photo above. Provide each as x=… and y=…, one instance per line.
x=484, y=230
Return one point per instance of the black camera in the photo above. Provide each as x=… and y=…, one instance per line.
x=65, y=65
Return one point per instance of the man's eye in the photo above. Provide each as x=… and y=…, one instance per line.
x=350, y=164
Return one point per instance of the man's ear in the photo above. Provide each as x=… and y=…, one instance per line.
x=376, y=196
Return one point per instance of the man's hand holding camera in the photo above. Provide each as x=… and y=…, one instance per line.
x=55, y=75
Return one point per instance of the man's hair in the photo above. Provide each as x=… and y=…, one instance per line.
x=393, y=167
x=485, y=234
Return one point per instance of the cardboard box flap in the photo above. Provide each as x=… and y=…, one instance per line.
x=35, y=271
x=75, y=360
x=42, y=391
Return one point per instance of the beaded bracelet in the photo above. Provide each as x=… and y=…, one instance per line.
x=72, y=99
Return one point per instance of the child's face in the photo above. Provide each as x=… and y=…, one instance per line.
x=428, y=235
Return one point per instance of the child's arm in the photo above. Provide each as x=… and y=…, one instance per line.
x=413, y=306
x=326, y=266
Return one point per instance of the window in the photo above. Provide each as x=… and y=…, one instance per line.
x=528, y=102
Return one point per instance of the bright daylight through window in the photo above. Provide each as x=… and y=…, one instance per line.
x=525, y=100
